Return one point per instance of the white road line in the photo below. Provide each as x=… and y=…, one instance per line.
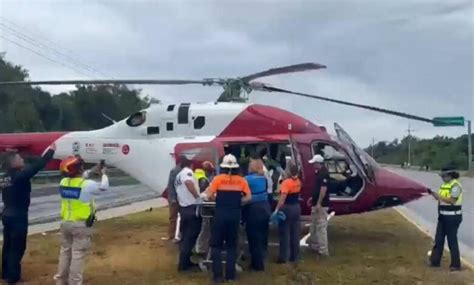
x=426, y=232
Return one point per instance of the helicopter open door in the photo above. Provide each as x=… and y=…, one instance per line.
x=356, y=153
x=296, y=154
x=198, y=153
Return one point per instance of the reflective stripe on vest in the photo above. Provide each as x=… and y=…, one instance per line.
x=445, y=192
x=72, y=208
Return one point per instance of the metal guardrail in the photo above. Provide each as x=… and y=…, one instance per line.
x=57, y=173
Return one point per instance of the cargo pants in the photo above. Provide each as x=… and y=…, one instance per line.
x=318, y=239
x=75, y=242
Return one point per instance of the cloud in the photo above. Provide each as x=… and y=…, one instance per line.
x=410, y=56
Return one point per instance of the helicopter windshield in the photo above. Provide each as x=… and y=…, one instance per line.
x=362, y=159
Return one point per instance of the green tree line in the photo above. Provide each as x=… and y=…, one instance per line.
x=31, y=109
x=434, y=153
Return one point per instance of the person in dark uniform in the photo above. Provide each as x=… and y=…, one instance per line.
x=449, y=199
x=318, y=239
x=16, y=191
x=289, y=227
x=229, y=191
x=256, y=216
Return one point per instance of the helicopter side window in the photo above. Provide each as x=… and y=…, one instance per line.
x=153, y=130
x=183, y=113
x=199, y=122
x=136, y=119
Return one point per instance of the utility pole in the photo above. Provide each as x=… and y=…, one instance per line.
x=409, y=131
x=469, y=145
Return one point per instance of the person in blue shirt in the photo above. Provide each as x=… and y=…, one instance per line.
x=256, y=215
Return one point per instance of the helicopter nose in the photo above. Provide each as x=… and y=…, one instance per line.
x=399, y=186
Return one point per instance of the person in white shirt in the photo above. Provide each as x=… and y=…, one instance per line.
x=187, y=190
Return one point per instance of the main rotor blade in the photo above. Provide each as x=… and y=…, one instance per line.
x=285, y=69
x=120, y=81
x=367, y=107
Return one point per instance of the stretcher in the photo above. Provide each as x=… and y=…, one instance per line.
x=207, y=211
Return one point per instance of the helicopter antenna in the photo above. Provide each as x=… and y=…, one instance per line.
x=109, y=118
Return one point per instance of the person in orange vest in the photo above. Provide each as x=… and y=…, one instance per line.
x=229, y=190
x=288, y=213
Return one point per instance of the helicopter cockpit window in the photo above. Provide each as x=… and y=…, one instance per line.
x=136, y=119
x=345, y=180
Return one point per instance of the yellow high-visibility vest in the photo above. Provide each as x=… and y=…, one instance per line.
x=72, y=208
x=199, y=173
x=445, y=192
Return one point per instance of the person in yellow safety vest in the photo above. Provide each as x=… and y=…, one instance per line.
x=77, y=216
x=449, y=199
x=204, y=177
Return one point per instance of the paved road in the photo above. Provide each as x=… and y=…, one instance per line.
x=424, y=210
x=45, y=201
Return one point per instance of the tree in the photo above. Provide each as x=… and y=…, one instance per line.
x=31, y=109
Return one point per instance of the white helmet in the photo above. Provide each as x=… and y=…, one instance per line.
x=229, y=161
x=316, y=159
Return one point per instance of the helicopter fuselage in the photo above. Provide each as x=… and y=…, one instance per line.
x=147, y=144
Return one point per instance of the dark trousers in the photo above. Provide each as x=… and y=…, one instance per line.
x=447, y=227
x=15, y=231
x=225, y=230
x=289, y=233
x=257, y=217
x=190, y=228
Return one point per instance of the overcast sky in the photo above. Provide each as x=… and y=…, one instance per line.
x=412, y=56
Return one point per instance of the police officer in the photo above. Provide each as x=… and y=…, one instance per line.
x=229, y=191
x=449, y=199
x=16, y=190
x=77, y=216
x=256, y=216
x=190, y=225
x=289, y=227
x=203, y=176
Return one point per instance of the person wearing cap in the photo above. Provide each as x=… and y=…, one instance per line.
x=289, y=224
x=229, y=190
x=77, y=217
x=15, y=185
x=256, y=216
x=203, y=176
x=187, y=190
x=318, y=239
x=449, y=198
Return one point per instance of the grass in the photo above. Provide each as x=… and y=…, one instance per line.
x=374, y=248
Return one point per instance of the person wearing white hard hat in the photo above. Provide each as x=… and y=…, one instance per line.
x=318, y=239
x=229, y=190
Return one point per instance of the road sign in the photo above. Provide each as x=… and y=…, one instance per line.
x=448, y=121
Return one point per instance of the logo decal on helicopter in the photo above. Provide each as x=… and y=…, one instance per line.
x=125, y=149
x=110, y=148
x=76, y=147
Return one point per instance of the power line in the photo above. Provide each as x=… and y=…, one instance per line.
x=42, y=55
x=46, y=48
x=57, y=49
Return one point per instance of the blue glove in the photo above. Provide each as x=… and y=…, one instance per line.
x=277, y=217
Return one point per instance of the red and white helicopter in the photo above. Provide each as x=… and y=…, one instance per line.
x=146, y=144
